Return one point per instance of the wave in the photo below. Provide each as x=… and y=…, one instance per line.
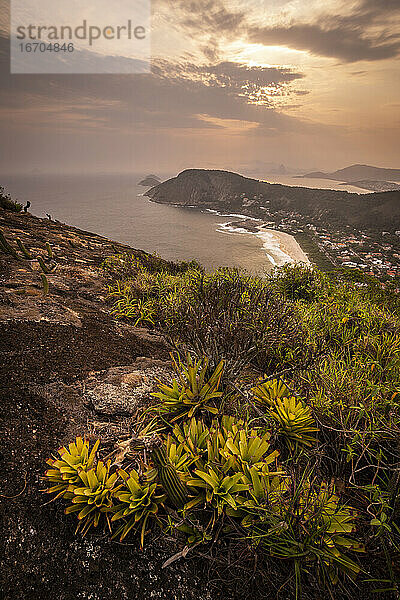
x=273, y=250
x=220, y=214
x=232, y=229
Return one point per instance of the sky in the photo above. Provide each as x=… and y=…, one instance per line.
x=242, y=85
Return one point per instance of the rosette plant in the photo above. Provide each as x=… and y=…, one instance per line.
x=138, y=501
x=92, y=495
x=64, y=471
x=192, y=391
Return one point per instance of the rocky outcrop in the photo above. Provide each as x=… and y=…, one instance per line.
x=149, y=181
x=68, y=368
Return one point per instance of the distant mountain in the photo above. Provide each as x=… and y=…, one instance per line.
x=229, y=192
x=150, y=181
x=375, y=186
x=358, y=173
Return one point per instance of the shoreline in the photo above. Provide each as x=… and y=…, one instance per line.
x=281, y=247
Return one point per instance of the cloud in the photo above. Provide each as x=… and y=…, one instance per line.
x=343, y=42
x=173, y=97
x=380, y=6
x=360, y=32
x=206, y=23
x=239, y=74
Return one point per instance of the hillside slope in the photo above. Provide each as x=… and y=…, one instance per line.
x=69, y=368
x=230, y=192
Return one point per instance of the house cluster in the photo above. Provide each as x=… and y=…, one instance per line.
x=374, y=252
x=357, y=249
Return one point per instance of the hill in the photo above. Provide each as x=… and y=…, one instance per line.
x=230, y=192
x=150, y=181
x=359, y=173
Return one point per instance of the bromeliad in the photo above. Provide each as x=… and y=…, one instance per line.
x=192, y=391
x=138, y=502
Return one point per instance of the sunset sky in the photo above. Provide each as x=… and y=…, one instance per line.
x=312, y=84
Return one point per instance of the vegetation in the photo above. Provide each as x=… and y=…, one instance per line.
x=47, y=264
x=278, y=438
x=7, y=203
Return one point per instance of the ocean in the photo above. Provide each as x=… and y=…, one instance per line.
x=114, y=206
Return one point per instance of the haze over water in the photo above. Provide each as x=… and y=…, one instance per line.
x=113, y=206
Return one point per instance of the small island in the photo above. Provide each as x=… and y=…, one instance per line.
x=150, y=181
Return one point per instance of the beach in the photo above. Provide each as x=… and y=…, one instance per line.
x=281, y=248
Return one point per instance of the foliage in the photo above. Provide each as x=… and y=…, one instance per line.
x=8, y=249
x=193, y=391
x=220, y=489
x=293, y=417
x=91, y=495
x=299, y=282
x=7, y=203
x=127, y=306
x=138, y=502
x=121, y=267
x=278, y=437
x=315, y=533
x=65, y=470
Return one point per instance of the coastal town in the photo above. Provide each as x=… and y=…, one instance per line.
x=375, y=253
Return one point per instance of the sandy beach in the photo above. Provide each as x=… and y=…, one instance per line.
x=281, y=248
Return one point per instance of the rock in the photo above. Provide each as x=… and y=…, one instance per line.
x=54, y=351
x=121, y=391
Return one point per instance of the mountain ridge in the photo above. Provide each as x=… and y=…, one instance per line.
x=357, y=172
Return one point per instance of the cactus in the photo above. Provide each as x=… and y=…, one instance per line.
x=45, y=283
x=7, y=249
x=169, y=478
x=24, y=251
x=45, y=268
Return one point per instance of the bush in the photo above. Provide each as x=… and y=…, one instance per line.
x=7, y=203
x=204, y=479
x=231, y=315
x=311, y=376
x=299, y=282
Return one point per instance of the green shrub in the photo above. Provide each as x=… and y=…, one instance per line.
x=139, y=501
x=127, y=306
x=91, y=495
x=311, y=383
x=299, y=282
x=193, y=392
x=7, y=203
